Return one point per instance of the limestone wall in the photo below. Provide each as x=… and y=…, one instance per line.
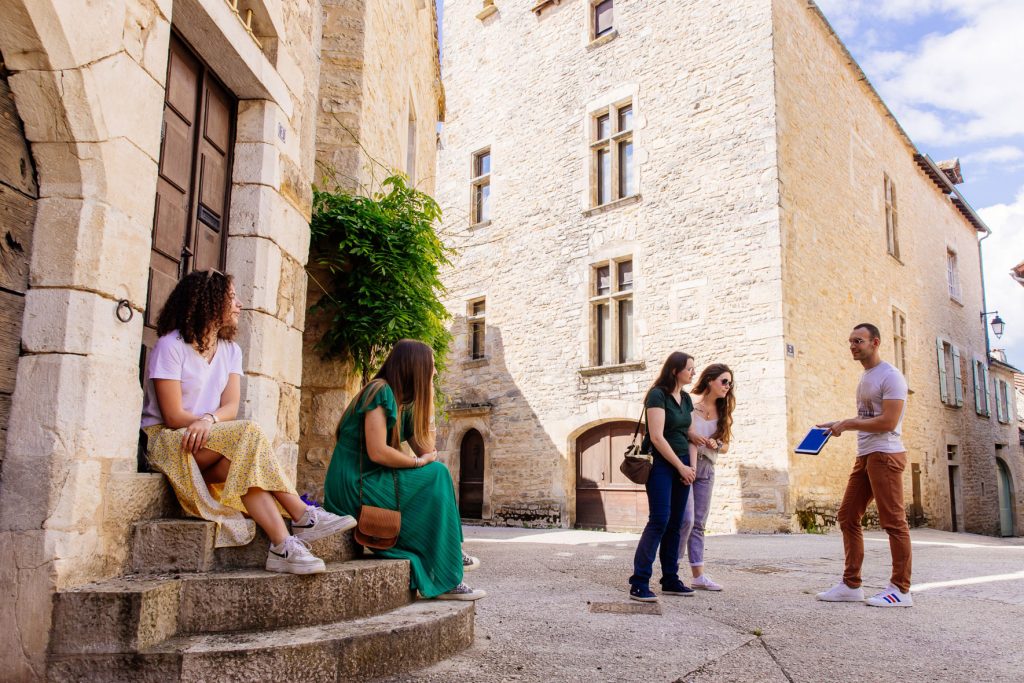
x=379, y=68
x=88, y=83
x=835, y=143
x=703, y=235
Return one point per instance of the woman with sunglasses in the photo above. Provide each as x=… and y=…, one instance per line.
x=221, y=467
x=668, y=423
x=710, y=435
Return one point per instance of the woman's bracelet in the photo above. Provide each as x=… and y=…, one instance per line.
x=416, y=461
x=212, y=420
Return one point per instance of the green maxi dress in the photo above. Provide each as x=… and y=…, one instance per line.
x=431, y=533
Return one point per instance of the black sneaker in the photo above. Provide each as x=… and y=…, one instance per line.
x=642, y=594
x=676, y=587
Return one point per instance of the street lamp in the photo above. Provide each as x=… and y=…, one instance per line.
x=997, y=323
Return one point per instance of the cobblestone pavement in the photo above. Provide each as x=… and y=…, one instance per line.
x=556, y=600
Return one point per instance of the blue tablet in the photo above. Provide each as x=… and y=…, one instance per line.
x=814, y=441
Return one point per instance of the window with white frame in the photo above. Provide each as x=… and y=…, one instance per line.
x=475, y=317
x=952, y=275
x=481, y=187
x=979, y=376
x=611, y=306
x=951, y=388
x=600, y=18
x=891, y=221
x=899, y=338
x=613, y=173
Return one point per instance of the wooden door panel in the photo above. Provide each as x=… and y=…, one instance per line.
x=176, y=152
x=171, y=222
x=605, y=499
x=218, y=119
x=212, y=182
x=183, y=75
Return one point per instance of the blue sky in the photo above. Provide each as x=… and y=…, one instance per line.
x=950, y=72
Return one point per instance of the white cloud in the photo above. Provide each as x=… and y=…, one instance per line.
x=1002, y=251
x=1007, y=157
x=970, y=76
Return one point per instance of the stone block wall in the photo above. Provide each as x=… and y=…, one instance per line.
x=836, y=140
x=379, y=70
x=703, y=234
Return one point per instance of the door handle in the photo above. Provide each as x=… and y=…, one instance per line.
x=186, y=254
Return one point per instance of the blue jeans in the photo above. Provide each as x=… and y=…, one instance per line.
x=666, y=497
x=691, y=538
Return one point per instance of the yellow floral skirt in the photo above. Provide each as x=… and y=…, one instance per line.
x=253, y=464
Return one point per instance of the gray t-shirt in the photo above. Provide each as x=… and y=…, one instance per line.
x=882, y=382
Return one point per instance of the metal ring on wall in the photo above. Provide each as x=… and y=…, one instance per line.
x=124, y=305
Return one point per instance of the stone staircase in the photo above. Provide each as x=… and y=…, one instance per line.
x=190, y=612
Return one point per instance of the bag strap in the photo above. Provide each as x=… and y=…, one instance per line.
x=643, y=414
x=364, y=450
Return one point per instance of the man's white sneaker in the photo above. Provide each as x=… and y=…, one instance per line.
x=293, y=557
x=891, y=597
x=318, y=523
x=703, y=583
x=842, y=593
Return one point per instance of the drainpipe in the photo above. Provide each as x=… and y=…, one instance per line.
x=984, y=303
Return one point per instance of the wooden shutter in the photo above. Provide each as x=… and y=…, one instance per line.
x=977, y=388
x=958, y=379
x=943, y=391
x=987, y=390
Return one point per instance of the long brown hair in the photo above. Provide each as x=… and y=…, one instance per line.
x=666, y=380
x=724, y=405
x=409, y=371
x=197, y=304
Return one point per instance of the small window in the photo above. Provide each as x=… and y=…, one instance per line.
x=899, y=335
x=951, y=452
x=602, y=17
x=891, y=220
x=951, y=389
x=410, y=154
x=481, y=187
x=952, y=275
x=612, y=313
x=613, y=170
x=475, y=316
x=981, y=399
x=1003, y=404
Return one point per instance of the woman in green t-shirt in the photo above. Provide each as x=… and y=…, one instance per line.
x=396, y=406
x=668, y=424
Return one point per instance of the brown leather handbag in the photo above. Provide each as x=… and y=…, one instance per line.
x=638, y=461
x=378, y=527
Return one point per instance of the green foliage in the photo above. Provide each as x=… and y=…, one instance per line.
x=384, y=258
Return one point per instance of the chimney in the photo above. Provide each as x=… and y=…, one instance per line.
x=951, y=167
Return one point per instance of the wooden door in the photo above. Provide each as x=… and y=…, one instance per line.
x=190, y=220
x=605, y=499
x=471, y=475
x=1005, y=494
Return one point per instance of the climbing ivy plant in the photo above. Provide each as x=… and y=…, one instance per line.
x=383, y=259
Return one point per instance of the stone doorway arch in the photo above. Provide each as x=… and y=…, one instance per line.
x=471, y=475
x=1006, y=498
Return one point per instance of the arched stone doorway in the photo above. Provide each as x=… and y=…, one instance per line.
x=605, y=499
x=471, y=475
x=1005, y=491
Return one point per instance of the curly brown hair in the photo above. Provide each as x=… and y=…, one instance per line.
x=197, y=306
x=725, y=405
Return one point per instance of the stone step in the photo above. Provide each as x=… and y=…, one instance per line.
x=131, y=614
x=410, y=637
x=166, y=546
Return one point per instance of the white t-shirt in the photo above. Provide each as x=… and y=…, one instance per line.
x=882, y=382
x=202, y=383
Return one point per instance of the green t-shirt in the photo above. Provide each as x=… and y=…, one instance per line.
x=677, y=419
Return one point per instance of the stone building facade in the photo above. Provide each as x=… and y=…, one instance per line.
x=139, y=141
x=625, y=178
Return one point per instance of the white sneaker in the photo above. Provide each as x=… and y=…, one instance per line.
x=462, y=592
x=703, y=583
x=842, y=593
x=318, y=523
x=293, y=557
x=469, y=562
x=891, y=597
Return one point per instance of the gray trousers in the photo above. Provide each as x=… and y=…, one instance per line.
x=691, y=534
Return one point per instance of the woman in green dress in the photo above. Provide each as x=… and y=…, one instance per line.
x=396, y=406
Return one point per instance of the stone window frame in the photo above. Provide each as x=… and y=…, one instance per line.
x=478, y=181
x=953, y=275
x=981, y=382
x=892, y=238
x=594, y=36
x=899, y=339
x=949, y=354
x=613, y=144
x=476, y=322
x=618, y=292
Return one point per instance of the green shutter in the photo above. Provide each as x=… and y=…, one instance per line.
x=943, y=393
x=958, y=380
x=988, y=393
x=977, y=388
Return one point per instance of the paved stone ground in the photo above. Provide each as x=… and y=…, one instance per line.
x=537, y=625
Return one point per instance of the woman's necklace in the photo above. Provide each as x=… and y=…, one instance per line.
x=210, y=351
x=703, y=410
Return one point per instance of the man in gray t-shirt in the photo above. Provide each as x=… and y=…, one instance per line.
x=877, y=473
